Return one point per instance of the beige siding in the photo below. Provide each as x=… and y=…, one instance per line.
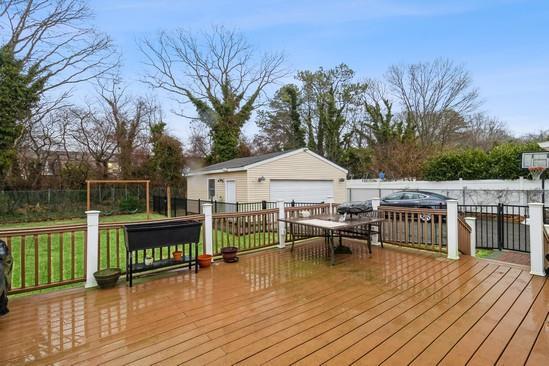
x=298, y=166
x=197, y=186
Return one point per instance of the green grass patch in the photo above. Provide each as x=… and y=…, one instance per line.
x=76, y=221
x=484, y=253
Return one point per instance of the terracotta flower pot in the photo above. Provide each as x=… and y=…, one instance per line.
x=229, y=254
x=178, y=256
x=204, y=260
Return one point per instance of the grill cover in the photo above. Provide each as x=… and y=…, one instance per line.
x=354, y=207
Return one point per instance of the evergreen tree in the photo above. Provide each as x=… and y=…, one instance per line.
x=281, y=126
x=19, y=92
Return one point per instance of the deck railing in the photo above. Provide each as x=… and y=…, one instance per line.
x=245, y=230
x=464, y=236
x=56, y=256
x=46, y=257
x=422, y=228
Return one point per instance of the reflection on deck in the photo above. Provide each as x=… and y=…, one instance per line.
x=396, y=306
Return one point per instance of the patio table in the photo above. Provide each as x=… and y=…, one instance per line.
x=356, y=227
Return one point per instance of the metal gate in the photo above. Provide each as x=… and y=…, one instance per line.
x=500, y=226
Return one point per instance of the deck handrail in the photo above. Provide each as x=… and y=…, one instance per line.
x=420, y=228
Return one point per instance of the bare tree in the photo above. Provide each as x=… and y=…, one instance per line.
x=54, y=40
x=436, y=95
x=484, y=132
x=216, y=73
x=39, y=148
x=96, y=136
x=131, y=118
x=199, y=143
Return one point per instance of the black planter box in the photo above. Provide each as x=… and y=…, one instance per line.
x=161, y=234
x=153, y=235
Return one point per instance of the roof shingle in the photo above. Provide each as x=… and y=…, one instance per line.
x=241, y=162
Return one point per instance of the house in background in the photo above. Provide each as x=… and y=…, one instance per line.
x=298, y=175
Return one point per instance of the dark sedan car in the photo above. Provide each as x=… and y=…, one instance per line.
x=420, y=199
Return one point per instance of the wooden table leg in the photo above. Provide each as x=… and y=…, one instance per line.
x=380, y=233
x=332, y=248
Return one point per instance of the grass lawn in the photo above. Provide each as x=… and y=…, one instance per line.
x=102, y=219
x=48, y=258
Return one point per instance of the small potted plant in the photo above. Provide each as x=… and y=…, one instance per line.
x=204, y=260
x=107, y=278
x=178, y=256
x=149, y=260
x=229, y=254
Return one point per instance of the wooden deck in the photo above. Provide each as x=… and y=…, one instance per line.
x=396, y=307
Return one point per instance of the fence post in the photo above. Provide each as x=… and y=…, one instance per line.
x=263, y=205
x=376, y=202
x=537, y=259
x=281, y=225
x=208, y=229
x=472, y=222
x=92, y=240
x=452, y=229
x=199, y=206
x=237, y=207
x=169, y=201
x=500, y=222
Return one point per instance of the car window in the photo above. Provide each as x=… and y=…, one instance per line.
x=410, y=196
x=394, y=196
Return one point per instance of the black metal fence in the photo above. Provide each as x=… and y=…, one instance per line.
x=500, y=226
x=186, y=206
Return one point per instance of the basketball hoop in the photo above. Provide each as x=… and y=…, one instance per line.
x=536, y=172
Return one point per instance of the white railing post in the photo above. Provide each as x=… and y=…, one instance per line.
x=537, y=259
x=281, y=225
x=452, y=229
x=376, y=202
x=208, y=228
x=330, y=201
x=92, y=240
x=471, y=221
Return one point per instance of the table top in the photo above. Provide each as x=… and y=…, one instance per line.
x=332, y=221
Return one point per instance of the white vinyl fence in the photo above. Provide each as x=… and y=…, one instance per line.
x=466, y=192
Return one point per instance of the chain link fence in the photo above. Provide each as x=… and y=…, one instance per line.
x=31, y=206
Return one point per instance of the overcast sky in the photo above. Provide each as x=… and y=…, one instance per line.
x=503, y=43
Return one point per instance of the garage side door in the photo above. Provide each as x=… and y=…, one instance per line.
x=301, y=190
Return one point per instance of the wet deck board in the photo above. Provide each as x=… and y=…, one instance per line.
x=397, y=306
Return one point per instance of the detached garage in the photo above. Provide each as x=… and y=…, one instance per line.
x=299, y=175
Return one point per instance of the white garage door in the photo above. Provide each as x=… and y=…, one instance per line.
x=301, y=190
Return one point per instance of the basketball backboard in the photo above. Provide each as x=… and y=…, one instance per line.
x=540, y=159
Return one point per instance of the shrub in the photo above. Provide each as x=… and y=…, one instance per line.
x=502, y=162
x=506, y=160
x=455, y=164
x=129, y=204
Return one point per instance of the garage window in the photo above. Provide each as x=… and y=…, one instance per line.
x=211, y=188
